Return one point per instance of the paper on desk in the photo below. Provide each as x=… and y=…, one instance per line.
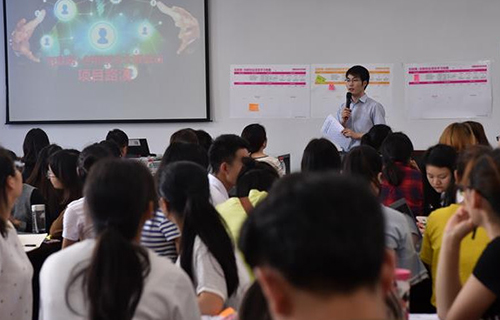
x=423, y=316
x=332, y=130
x=31, y=241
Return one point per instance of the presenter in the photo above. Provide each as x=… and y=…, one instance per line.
x=359, y=113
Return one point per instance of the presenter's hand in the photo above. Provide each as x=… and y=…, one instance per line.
x=351, y=134
x=346, y=114
x=189, y=26
x=19, y=40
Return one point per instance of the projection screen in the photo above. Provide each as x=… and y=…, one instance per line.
x=106, y=61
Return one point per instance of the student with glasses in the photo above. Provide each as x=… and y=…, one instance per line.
x=363, y=112
x=479, y=296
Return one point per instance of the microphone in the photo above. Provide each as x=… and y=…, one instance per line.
x=348, y=98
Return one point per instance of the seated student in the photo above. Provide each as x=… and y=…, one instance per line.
x=255, y=179
x=479, y=296
x=186, y=135
x=21, y=212
x=365, y=162
x=159, y=233
x=299, y=242
x=470, y=249
x=120, y=138
x=255, y=135
x=439, y=182
x=375, y=136
x=320, y=155
x=34, y=141
x=479, y=134
x=401, y=176
x=459, y=136
x=225, y=157
x=38, y=179
x=206, y=251
x=16, y=270
x=112, y=276
x=63, y=176
x=77, y=225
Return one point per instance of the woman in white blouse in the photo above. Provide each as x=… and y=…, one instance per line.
x=15, y=269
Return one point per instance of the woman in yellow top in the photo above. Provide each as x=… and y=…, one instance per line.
x=470, y=250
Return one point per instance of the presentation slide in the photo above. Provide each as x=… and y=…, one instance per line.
x=106, y=60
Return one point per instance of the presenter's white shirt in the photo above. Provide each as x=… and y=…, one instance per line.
x=167, y=293
x=76, y=224
x=218, y=192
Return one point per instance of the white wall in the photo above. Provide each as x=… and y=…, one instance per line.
x=317, y=31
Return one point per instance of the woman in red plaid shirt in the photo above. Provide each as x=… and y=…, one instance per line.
x=401, y=175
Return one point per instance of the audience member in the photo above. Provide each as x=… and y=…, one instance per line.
x=470, y=249
x=479, y=134
x=478, y=297
x=206, y=251
x=21, y=212
x=15, y=268
x=375, y=136
x=291, y=242
x=63, y=176
x=458, y=135
x=365, y=162
x=225, y=157
x=401, y=176
x=77, y=225
x=320, y=155
x=187, y=135
x=113, y=277
x=159, y=233
x=120, y=138
x=254, y=181
x=204, y=139
x=439, y=182
x=39, y=180
x=255, y=135
x=36, y=139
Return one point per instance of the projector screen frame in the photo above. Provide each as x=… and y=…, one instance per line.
x=105, y=121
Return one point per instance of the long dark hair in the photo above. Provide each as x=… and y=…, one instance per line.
x=184, y=185
x=117, y=195
x=34, y=141
x=38, y=179
x=6, y=170
x=441, y=156
x=396, y=148
x=63, y=164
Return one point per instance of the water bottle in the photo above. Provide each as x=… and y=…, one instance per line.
x=38, y=218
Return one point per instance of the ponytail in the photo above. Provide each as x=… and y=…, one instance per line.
x=118, y=195
x=397, y=147
x=202, y=220
x=392, y=173
x=114, y=279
